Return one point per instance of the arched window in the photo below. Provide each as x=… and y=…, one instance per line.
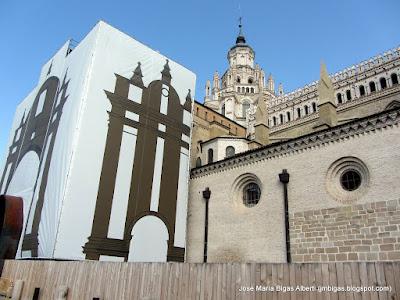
x=274, y=120
x=242, y=89
x=245, y=107
x=247, y=90
x=198, y=162
x=362, y=90
x=383, y=83
x=238, y=89
x=229, y=151
x=281, y=118
x=223, y=109
x=372, y=87
x=210, y=156
x=314, y=107
x=348, y=94
x=251, y=194
x=298, y=113
x=250, y=80
x=238, y=79
x=339, y=98
x=306, y=109
x=252, y=90
x=288, y=116
x=395, y=79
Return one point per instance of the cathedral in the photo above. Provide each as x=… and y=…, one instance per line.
x=305, y=176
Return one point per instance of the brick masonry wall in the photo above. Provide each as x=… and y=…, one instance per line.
x=362, y=232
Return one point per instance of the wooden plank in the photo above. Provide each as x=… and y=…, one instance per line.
x=312, y=281
x=364, y=279
x=298, y=281
x=381, y=280
x=264, y=280
x=318, y=280
x=348, y=279
x=274, y=280
x=285, y=281
x=292, y=280
x=396, y=275
x=340, y=280
x=355, y=279
x=304, y=281
x=372, y=279
x=391, y=281
x=325, y=279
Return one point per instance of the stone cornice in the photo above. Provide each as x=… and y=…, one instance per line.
x=320, y=138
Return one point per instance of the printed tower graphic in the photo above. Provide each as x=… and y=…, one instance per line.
x=154, y=117
x=37, y=133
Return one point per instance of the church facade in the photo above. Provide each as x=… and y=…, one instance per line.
x=315, y=177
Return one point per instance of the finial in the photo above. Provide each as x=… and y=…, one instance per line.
x=240, y=39
x=189, y=96
x=137, y=75
x=166, y=74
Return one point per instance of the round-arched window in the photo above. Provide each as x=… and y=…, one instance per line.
x=350, y=180
x=229, y=151
x=251, y=194
x=347, y=179
x=198, y=162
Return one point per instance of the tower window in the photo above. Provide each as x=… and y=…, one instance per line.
x=383, y=83
x=242, y=89
x=223, y=109
x=229, y=151
x=348, y=94
x=238, y=89
x=298, y=113
x=247, y=90
x=238, y=79
x=198, y=162
x=372, y=87
x=314, y=107
x=252, y=90
x=210, y=156
x=251, y=194
x=362, y=90
x=395, y=79
x=306, y=109
x=281, y=118
x=350, y=180
x=288, y=116
x=274, y=120
x=339, y=98
x=250, y=80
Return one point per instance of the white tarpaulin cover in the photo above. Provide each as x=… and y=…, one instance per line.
x=74, y=146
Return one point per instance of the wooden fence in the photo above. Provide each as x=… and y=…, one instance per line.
x=108, y=280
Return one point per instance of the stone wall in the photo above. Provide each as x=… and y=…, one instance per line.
x=362, y=232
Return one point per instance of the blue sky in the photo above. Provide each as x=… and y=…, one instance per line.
x=289, y=37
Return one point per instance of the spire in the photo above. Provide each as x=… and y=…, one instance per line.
x=188, y=102
x=326, y=108
x=137, y=75
x=271, y=83
x=325, y=86
x=261, y=127
x=240, y=38
x=166, y=74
